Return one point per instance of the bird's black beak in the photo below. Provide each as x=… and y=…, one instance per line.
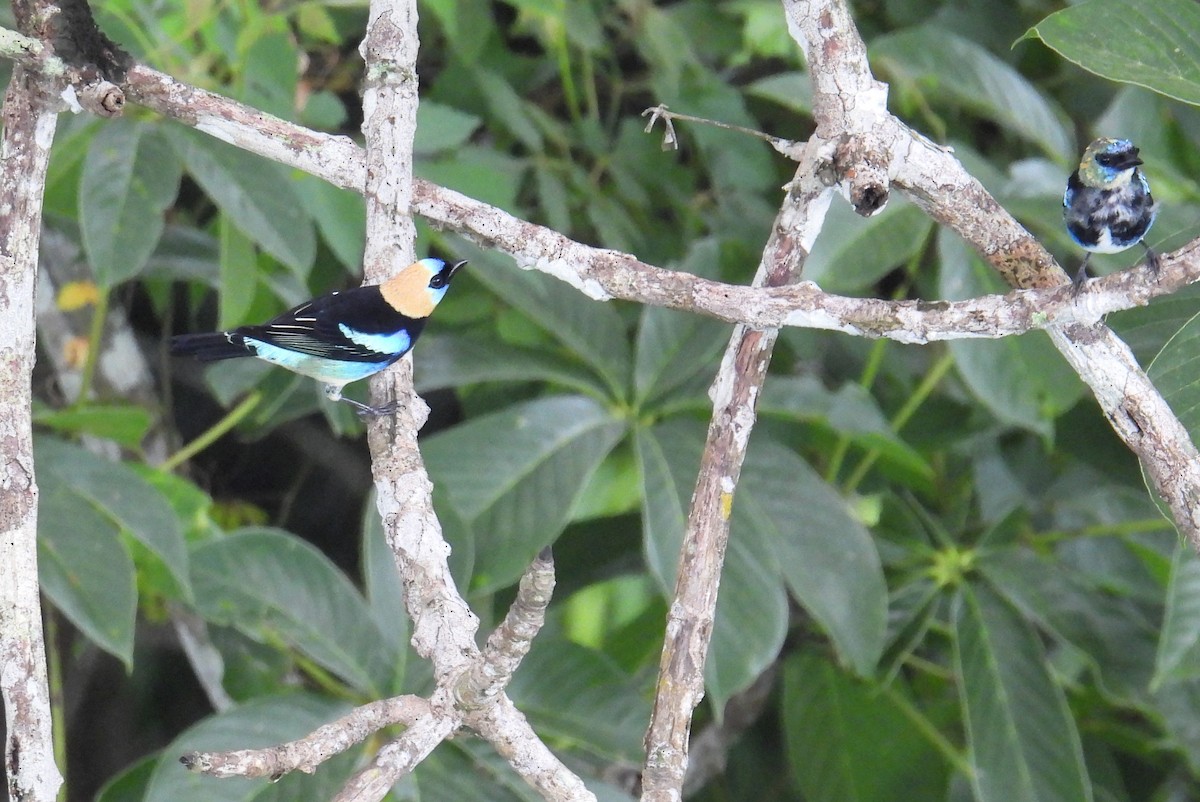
x=1129, y=159
x=454, y=267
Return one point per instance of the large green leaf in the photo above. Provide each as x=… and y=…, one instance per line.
x=85, y=569
x=950, y=68
x=1023, y=381
x=458, y=359
x=124, y=424
x=577, y=694
x=256, y=194
x=130, y=177
x=751, y=614
x=341, y=217
x=672, y=348
x=515, y=476
x=1179, y=643
x=1024, y=746
x=847, y=740
x=593, y=331
x=828, y=558
x=268, y=721
x=1154, y=45
x=124, y=498
x=272, y=585
x=853, y=252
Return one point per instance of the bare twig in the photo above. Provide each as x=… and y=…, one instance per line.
x=29, y=118
x=307, y=753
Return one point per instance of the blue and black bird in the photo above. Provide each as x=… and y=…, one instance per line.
x=340, y=337
x=1107, y=206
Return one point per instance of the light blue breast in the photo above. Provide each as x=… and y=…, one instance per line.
x=395, y=343
x=329, y=371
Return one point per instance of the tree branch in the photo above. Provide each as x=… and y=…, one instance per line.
x=29, y=117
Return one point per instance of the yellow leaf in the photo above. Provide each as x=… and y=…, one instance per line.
x=78, y=294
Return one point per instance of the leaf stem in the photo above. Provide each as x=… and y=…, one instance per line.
x=870, y=371
x=99, y=315
x=209, y=437
x=919, y=396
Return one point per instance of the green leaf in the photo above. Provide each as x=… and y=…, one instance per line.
x=270, y=584
x=1023, y=381
x=85, y=569
x=239, y=273
x=751, y=614
x=1179, y=642
x=264, y=722
x=130, y=177
x=121, y=496
x=848, y=741
x=1024, y=746
x=471, y=357
x=515, y=476
x=1154, y=45
x=131, y=784
x=441, y=127
x=672, y=348
x=854, y=252
x=593, y=331
x=341, y=218
x=850, y=411
x=952, y=69
x=577, y=694
x=256, y=194
x=123, y=424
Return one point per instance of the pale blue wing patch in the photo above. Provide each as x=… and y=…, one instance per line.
x=397, y=342
x=330, y=371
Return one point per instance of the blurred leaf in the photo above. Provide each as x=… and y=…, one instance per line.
x=1157, y=47
x=122, y=497
x=239, y=273
x=515, y=476
x=854, y=252
x=1148, y=328
x=265, y=722
x=578, y=695
x=950, y=68
x=131, y=784
x=507, y=107
x=123, y=424
x=593, y=331
x=1179, y=644
x=441, y=127
x=471, y=357
x=130, y=177
x=85, y=569
x=828, y=558
x=256, y=195
x=847, y=740
x=271, y=585
x=850, y=411
x=792, y=90
x=486, y=175
x=1022, y=380
x=341, y=218
x=269, y=74
x=1023, y=741
x=462, y=770
x=383, y=588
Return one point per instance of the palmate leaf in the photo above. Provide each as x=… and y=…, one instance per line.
x=847, y=740
x=516, y=475
x=1154, y=45
x=1024, y=746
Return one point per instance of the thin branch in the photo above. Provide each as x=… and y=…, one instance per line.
x=939, y=184
x=29, y=120
x=307, y=753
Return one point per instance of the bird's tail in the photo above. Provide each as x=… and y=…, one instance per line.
x=210, y=346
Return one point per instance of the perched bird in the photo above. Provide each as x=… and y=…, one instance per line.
x=340, y=337
x=1107, y=206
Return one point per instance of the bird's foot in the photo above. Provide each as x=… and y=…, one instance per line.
x=366, y=411
x=1153, y=260
x=1080, y=279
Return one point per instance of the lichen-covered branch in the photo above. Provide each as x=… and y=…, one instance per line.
x=29, y=119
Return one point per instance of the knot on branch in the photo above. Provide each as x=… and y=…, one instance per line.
x=102, y=98
x=863, y=174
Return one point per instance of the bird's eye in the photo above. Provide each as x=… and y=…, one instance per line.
x=437, y=282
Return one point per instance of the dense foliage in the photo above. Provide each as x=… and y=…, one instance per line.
x=948, y=563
